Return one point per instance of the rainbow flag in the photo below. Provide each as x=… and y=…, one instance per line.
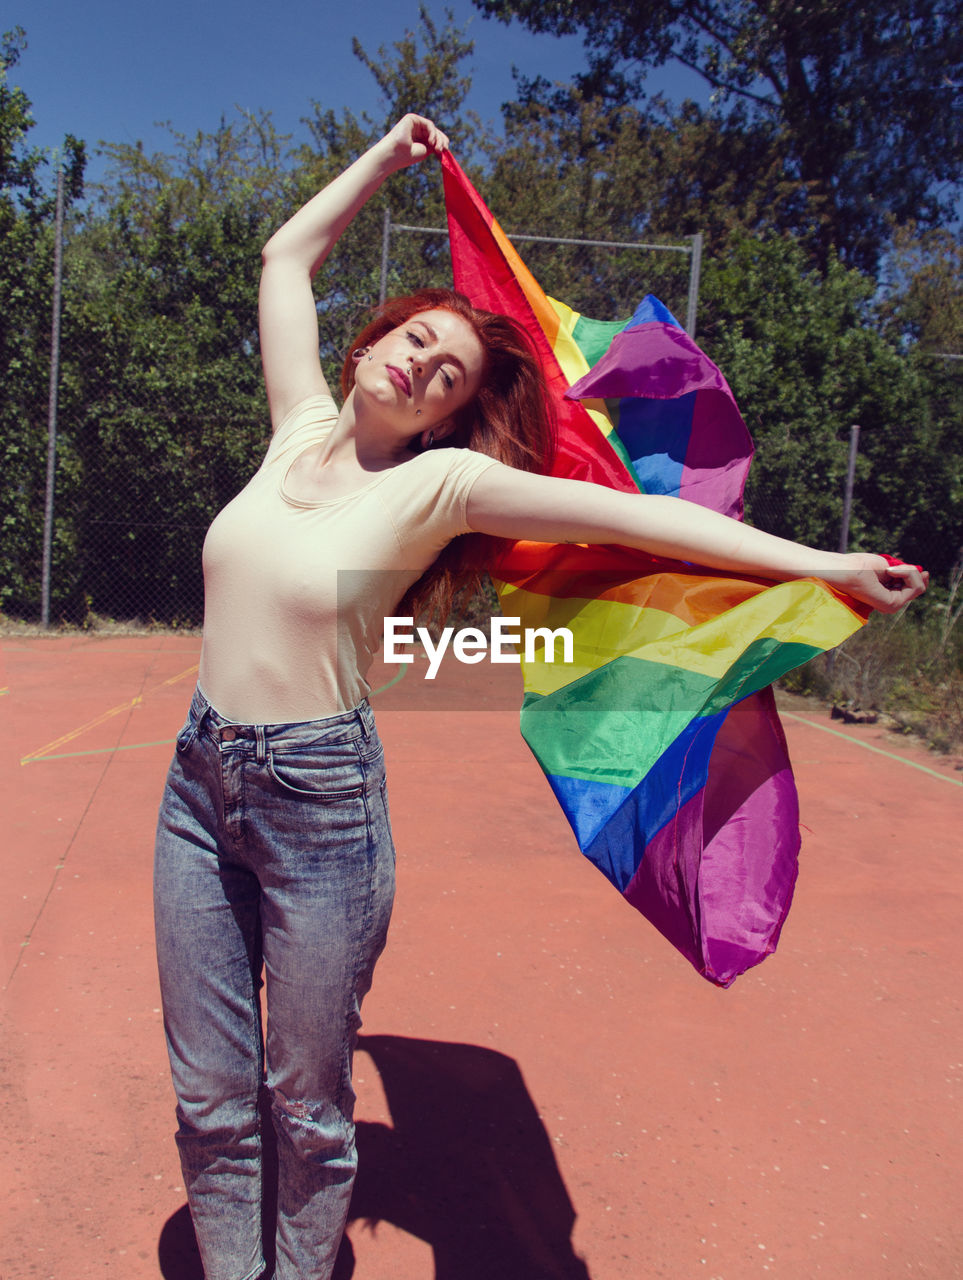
x=661, y=740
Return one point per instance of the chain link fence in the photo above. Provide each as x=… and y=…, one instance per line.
x=157, y=430
x=128, y=531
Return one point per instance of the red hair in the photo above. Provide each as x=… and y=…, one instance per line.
x=511, y=417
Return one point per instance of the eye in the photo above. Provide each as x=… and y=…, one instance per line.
x=449, y=380
x=413, y=337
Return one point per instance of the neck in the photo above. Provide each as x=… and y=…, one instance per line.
x=358, y=437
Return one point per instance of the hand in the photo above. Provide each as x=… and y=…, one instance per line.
x=875, y=581
x=413, y=138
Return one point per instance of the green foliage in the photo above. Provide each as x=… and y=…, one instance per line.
x=923, y=289
x=26, y=259
x=165, y=399
x=584, y=173
x=857, y=103
x=421, y=72
x=806, y=362
x=162, y=415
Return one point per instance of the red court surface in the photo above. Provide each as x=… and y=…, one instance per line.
x=546, y=1089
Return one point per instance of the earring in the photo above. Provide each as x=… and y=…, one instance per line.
x=359, y=352
x=431, y=439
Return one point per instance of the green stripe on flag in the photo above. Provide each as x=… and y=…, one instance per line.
x=593, y=337
x=614, y=723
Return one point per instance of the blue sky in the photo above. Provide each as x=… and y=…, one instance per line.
x=112, y=69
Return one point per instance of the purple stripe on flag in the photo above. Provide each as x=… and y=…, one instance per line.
x=719, y=454
x=717, y=880
x=656, y=360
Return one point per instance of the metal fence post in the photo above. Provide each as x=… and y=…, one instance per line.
x=850, y=476
x=52, y=406
x=695, y=274
x=844, y=530
x=385, y=241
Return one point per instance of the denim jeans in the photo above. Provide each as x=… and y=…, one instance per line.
x=273, y=848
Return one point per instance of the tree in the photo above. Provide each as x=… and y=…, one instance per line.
x=805, y=363
x=923, y=290
x=858, y=103
x=162, y=395
x=423, y=71
x=584, y=173
x=26, y=260
x=573, y=165
x=165, y=396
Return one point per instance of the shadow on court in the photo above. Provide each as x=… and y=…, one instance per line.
x=466, y=1167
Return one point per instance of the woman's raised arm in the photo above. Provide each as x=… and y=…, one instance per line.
x=288, y=319
x=516, y=504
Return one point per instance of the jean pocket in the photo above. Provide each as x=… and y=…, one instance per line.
x=186, y=736
x=323, y=778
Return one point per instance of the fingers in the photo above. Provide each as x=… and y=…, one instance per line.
x=883, y=582
x=906, y=579
x=900, y=584
x=421, y=136
x=436, y=141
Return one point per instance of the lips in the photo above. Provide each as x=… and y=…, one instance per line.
x=400, y=379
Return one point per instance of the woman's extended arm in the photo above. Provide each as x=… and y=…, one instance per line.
x=288, y=320
x=515, y=504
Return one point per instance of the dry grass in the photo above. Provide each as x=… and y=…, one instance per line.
x=908, y=667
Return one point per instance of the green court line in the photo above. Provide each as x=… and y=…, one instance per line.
x=401, y=671
x=956, y=782
x=789, y=715
x=99, y=751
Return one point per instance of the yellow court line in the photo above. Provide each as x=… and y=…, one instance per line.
x=99, y=751
x=101, y=719
x=43, y=753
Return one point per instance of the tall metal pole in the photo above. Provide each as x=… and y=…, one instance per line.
x=695, y=273
x=844, y=530
x=850, y=476
x=385, y=242
x=52, y=406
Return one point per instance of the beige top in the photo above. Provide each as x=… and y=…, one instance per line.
x=296, y=592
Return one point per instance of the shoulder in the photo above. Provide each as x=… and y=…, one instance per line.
x=449, y=474
x=457, y=462
x=320, y=407
x=433, y=488
x=309, y=420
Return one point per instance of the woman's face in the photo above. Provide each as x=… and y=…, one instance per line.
x=423, y=372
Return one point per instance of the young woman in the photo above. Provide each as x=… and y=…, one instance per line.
x=274, y=848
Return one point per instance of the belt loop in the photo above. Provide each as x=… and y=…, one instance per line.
x=201, y=708
x=261, y=740
x=366, y=718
